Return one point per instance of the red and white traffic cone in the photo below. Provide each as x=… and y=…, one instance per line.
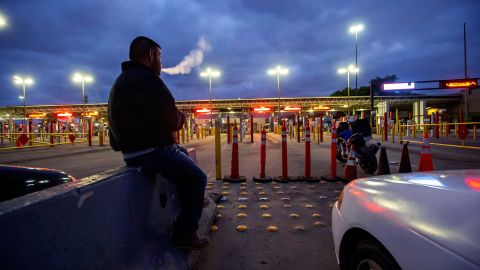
x=350, y=170
x=308, y=168
x=263, y=157
x=333, y=157
x=284, y=178
x=426, y=162
x=234, y=176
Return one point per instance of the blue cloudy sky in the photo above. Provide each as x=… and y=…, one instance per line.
x=415, y=39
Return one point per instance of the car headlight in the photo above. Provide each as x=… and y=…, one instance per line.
x=340, y=200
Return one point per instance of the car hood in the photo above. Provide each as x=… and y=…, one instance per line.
x=441, y=206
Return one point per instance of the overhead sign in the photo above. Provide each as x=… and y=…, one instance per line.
x=399, y=86
x=204, y=110
x=37, y=115
x=467, y=83
x=292, y=108
x=65, y=114
x=89, y=114
x=322, y=108
x=261, y=109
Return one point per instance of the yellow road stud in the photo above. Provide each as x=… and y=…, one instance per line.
x=280, y=192
x=272, y=228
x=225, y=187
x=241, y=215
x=242, y=206
x=263, y=206
x=308, y=206
x=243, y=193
x=220, y=206
x=243, y=188
x=276, y=187
x=242, y=228
x=266, y=216
x=219, y=216
x=287, y=205
x=225, y=193
x=262, y=193
x=213, y=228
x=319, y=224
x=316, y=215
x=299, y=228
x=293, y=215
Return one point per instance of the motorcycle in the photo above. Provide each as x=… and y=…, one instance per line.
x=365, y=155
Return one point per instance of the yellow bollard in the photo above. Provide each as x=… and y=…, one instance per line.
x=456, y=129
x=182, y=134
x=218, y=154
x=474, y=133
x=393, y=132
x=400, y=134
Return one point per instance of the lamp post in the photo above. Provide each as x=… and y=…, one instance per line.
x=210, y=73
x=277, y=72
x=24, y=82
x=347, y=70
x=355, y=29
x=3, y=21
x=82, y=78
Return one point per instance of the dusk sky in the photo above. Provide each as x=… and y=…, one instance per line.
x=413, y=39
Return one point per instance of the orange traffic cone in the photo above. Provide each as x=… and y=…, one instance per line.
x=350, y=170
x=383, y=167
x=405, y=165
x=426, y=162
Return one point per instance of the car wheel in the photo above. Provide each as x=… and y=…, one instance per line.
x=370, y=255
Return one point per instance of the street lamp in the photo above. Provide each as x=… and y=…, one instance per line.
x=277, y=72
x=347, y=70
x=82, y=78
x=210, y=73
x=355, y=29
x=24, y=82
x=3, y=22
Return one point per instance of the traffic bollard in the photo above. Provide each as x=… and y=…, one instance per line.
x=228, y=129
x=263, y=157
x=218, y=154
x=333, y=156
x=308, y=164
x=284, y=178
x=234, y=176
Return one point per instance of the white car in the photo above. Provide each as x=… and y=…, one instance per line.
x=409, y=221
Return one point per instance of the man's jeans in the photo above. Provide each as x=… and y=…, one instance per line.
x=173, y=163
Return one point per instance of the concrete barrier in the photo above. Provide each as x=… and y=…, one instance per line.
x=119, y=219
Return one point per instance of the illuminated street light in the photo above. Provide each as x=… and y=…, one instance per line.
x=3, y=22
x=81, y=78
x=210, y=73
x=277, y=72
x=23, y=82
x=355, y=29
x=347, y=70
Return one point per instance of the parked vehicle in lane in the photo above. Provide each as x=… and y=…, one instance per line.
x=16, y=181
x=409, y=221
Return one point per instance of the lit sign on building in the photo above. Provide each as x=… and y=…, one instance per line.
x=322, y=108
x=204, y=110
x=459, y=84
x=89, y=114
x=292, y=108
x=65, y=114
x=261, y=109
x=37, y=115
x=399, y=86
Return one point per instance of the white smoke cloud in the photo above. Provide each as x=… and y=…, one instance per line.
x=193, y=59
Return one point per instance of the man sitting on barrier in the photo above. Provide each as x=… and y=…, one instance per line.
x=142, y=119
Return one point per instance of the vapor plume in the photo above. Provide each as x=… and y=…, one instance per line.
x=193, y=59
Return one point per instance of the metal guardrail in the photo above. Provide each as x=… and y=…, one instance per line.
x=436, y=131
x=9, y=141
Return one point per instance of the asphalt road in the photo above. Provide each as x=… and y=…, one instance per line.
x=301, y=242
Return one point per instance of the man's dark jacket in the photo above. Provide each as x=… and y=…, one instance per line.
x=141, y=110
